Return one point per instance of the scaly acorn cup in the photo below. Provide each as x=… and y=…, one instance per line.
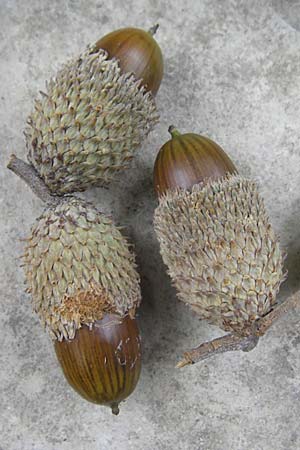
x=96, y=112
x=85, y=289
x=217, y=243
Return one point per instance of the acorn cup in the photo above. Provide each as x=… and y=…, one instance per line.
x=217, y=242
x=84, y=286
x=96, y=112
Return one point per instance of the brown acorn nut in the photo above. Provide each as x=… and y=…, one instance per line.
x=137, y=52
x=103, y=363
x=188, y=159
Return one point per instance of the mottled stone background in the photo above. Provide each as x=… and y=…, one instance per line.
x=232, y=72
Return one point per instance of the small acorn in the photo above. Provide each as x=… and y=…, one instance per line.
x=98, y=110
x=215, y=236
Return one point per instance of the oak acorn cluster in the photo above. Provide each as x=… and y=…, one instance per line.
x=80, y=270
x=215, y=236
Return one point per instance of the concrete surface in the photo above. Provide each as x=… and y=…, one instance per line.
x=232, y=71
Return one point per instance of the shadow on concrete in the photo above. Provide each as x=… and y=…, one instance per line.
x=292, y=262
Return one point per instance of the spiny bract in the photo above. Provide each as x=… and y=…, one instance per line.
x=77, y=266
x=221, y=251
x=88, y=124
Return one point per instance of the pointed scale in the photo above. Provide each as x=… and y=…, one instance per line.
x=103, y=364
x=137, y=52
x=188, y=159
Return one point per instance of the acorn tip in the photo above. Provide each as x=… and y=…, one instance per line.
x=173, y=131
x=153, y=29
x=115, y=408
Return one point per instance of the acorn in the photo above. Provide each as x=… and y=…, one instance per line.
x=96, y=112
x=85, y=289
x=81, y=274
x=215, y=236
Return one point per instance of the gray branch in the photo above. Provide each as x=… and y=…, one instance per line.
x=233, y=342
x=228, y=343
x=27, y=173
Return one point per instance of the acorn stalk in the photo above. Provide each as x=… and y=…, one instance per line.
x=232, y=342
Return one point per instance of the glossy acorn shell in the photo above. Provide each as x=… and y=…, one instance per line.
x=103, y=364
x=188, y=159
x=138, y=53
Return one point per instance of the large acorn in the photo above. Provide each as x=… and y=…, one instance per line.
x=94, y=114
x=85, y=289
x=216, y=240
